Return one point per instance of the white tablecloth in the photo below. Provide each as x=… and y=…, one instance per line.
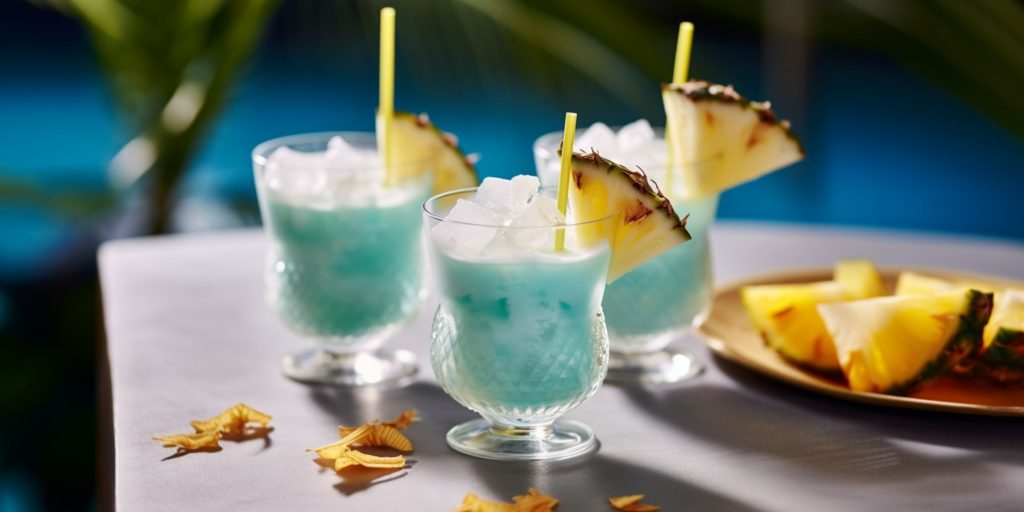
x=188, y=335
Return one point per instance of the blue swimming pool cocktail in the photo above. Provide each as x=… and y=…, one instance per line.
x=663, y=299
x=345, y=263
x=518, y=336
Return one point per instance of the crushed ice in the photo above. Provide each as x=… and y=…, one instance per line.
x=341, y=175
x=635, y=145
x=497, y=220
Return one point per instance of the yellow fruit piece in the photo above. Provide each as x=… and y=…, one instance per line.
x=645, y=223
x=532, y=501
x=787, y=317
x=233, y=420
x=379, y=436
x=403, y=420
x=893, y=344
x=473, y=503
x=372, y=461
x=621, y=501
x=860, y=278
x=912, y=283
x=337, y=448
x=415, y=140
x=198, y=441
x=722, y=139
x=1007, y=314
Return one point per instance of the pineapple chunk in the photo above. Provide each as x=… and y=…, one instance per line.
x=1002, y=358
x=415, y=139
x=912, y=283
x=787, y=314
x=647, y=225
x=894, y=344
x=860, y=278
x=723, y=139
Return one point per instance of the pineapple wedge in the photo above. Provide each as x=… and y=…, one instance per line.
x=722, y=138
x=787, y=317
x=912, y=283
x=860, y=278
x=894, y=344
x=647, y=225
x=1002, y=357
x=415, y=138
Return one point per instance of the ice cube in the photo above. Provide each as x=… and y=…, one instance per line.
x=467, y=229
x=524, y=188
x=287, y=157
x=635, y=136
x=528, y=229
x=495, y=194
x=598, y=137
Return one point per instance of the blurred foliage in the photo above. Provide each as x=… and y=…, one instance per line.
x=972, y=48
x=171, y=64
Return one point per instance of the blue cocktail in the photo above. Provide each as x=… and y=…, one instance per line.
x=345, y=264
x=518, y=336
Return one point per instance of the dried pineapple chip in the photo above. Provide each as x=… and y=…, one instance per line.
x=473, y=503
x=337, y=449
x=343, y=462
x=534, y=501
x=403, y=420
x=622, y=501
x=233, y=420
x=379, y=436
x=199, y=441
x=374, y=461
x=632, y=504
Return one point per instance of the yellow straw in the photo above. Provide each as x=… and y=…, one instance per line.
x=683, y=45
x=679, y=75
x=386, y=108
x=568, y=139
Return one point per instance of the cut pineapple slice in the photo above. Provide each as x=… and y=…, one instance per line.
x=788, y=319
x=723, y=139
x=912, y=283
x=415, y=139
x=893, y=344
x=647, y=226
x=860, y=279
x=1002, y=358
x=786, y=316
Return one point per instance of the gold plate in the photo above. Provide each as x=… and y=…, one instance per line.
x=731, y=335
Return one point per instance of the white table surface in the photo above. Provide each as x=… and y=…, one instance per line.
x=188, y=335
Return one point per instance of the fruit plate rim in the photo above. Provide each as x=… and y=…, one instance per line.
x=765, y=361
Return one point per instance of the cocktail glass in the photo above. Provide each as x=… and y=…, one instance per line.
x=345, y=266
x=520, y=338
x=660, y=301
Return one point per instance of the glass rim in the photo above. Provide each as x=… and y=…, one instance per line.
x=262, y=151
x=438, y=197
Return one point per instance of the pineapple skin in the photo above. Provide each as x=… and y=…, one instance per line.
x=1003, y=360
x=961, y=347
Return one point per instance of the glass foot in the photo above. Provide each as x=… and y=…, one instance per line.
x=562, y=440
x=667, y=366
x=381, y=367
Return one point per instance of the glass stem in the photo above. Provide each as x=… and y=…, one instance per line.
x=522, y=432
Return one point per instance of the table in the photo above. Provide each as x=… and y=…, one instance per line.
x=188, y=335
